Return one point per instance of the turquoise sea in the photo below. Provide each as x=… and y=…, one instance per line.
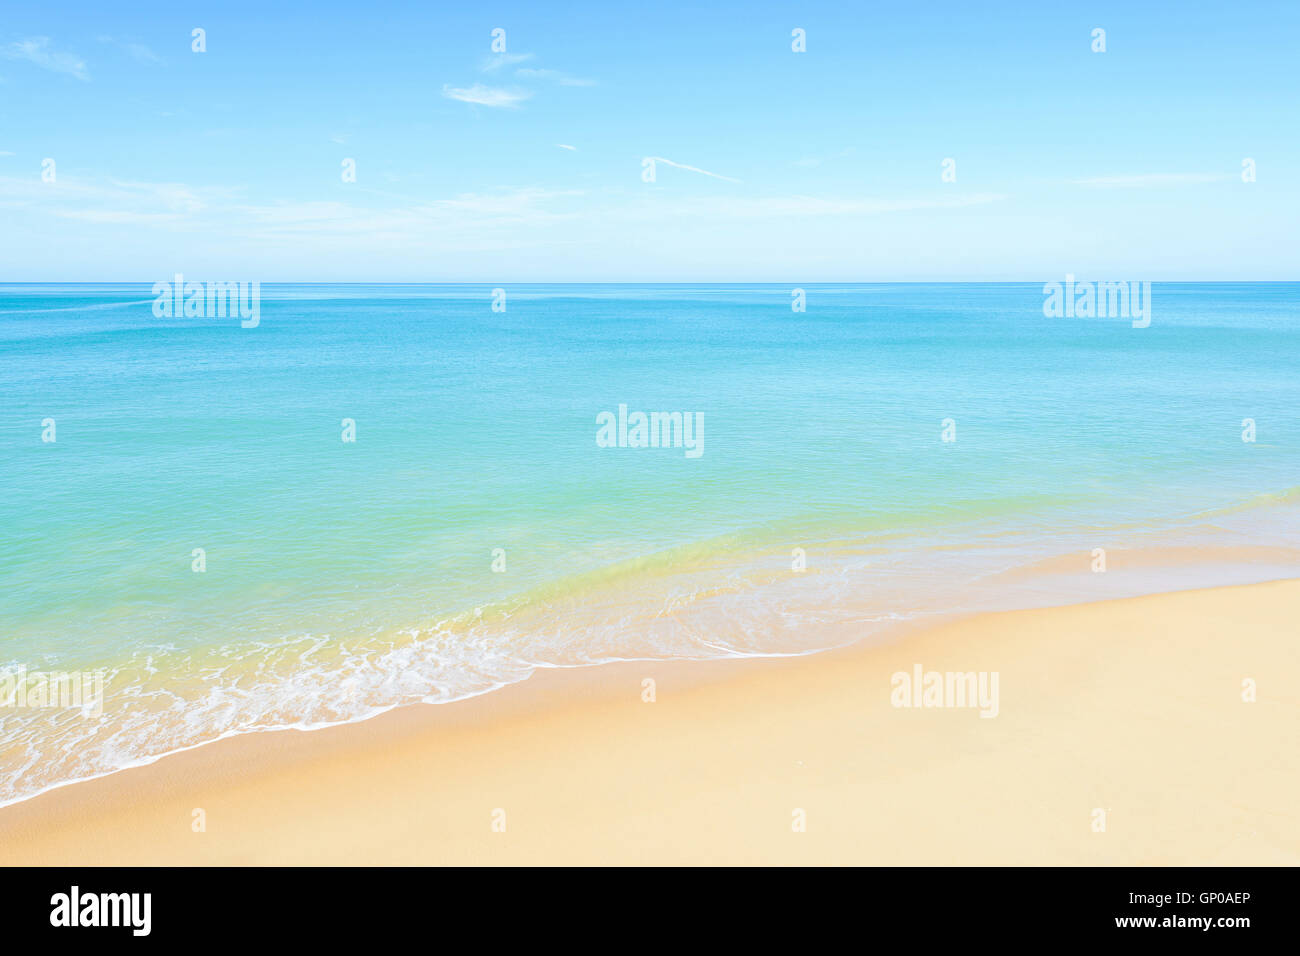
x=475, y=530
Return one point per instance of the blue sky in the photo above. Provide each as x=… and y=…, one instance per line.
x=826, y=164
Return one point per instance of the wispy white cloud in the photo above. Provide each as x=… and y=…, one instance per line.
x=143, y=53
x=102, y=200
x=531, y=73
x=368, y=217
x=560, y=145
x=693, y=169
x=499, y=60
x=536, y=207
x=737, y=207
x=526, y=202
x=118, y=217
x=37, y=50
x=1152, y=179
x=411, y=218
x=137, y=50
x=481, y=95
x=175, y=196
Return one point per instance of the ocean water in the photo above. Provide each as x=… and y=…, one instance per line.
x=475, y=530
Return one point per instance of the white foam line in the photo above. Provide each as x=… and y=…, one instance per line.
x=378, y=711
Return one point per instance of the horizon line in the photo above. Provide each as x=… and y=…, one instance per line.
x=714, y=282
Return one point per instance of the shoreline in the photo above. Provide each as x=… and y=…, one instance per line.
x=1056, y=581
x=712, y=771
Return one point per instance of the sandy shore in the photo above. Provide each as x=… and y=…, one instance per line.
x=1130, y=707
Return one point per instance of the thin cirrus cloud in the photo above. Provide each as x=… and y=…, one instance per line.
x=118, y=217
x=178, y=206
x=720, y=209
x=692, y=169
x=1151, y=179
x=37, y=50
x=499, y=60
x=112, y=203
x=110, y=200
x=531, y=73
x=572, y=149
x=500, y=98
x=410, y=217
x=481, y=95
x=138, y=51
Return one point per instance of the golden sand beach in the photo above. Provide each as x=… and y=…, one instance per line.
x=1124, y=734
